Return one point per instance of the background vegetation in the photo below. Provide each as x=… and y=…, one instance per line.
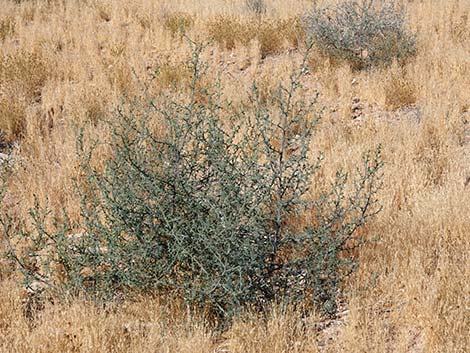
x=66, y=63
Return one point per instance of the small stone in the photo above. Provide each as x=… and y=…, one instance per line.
x=6, y=159
x=35, y=287
x=86, y=272
x=76, y=236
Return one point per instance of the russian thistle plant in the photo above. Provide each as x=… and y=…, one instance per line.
x=207, y=207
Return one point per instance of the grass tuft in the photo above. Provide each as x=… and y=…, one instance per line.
x=400, y=92
x=178, y=23
x=7, y=28
x=22, y=77
x=273, y=36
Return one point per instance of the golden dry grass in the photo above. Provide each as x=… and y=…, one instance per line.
x=63, y=62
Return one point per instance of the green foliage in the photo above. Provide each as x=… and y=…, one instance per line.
x=364, y=33
x=208, y=208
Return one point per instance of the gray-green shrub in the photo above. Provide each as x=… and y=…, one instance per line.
x=256, y=6
x=364, y=33
x=209, y=210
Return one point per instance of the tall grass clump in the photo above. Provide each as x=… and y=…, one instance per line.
x=228, y=31
x=210, y=208
x=7, y=28
x=178, y=23
x=400, y=92
x=22, y=77
x=363, y=33
x=272, y=35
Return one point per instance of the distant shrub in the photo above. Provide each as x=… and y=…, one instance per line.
x=256, y=6
x=364, y=33
x=207, y=208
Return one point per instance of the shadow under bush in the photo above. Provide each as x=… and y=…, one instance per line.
x=203, y=210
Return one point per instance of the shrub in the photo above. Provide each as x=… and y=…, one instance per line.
x=364, y=33
x=208, y=208
x=256, y=6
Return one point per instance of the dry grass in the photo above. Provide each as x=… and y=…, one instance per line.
x=65, y=62
x=272, y=35
x=22, y=77
x=7, y=27
x=400, y=91
x=178, y=23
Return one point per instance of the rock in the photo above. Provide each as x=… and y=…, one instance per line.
x=32, y=298
x=76, y=236
x=245, y=64
x=8, y=160
x=467, y=181
x=139, y=326
x=356, y=108
x=35, y=287
x=4, y=157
